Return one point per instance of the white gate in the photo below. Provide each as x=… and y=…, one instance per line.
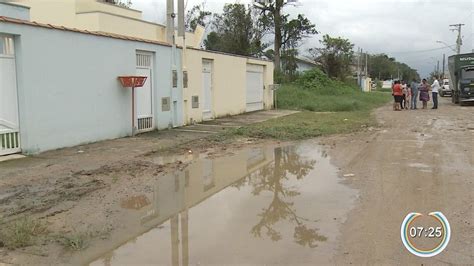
x=206, y=89
x=254, y=88
x=9, y=122
x=145, y=121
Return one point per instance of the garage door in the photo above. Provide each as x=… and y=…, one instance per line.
x=254, y=88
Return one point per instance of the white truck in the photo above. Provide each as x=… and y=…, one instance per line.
x=445, y=89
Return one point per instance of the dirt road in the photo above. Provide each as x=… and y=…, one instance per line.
x=332, y=200
x=420, y=161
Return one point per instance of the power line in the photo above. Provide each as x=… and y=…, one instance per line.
x=457, y=27
x=422, y=51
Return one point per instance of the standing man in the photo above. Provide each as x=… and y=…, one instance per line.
x=434, y=90
x=414, y=94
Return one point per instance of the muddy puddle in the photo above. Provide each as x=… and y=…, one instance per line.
x=277, y=204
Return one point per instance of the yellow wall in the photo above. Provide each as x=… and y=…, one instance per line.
x=83, y=6
x=61, y=13
x=97, y=16
x=228, y=84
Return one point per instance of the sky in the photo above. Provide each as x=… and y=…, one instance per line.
x=405, y=29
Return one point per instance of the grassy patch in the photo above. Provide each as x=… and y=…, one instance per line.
x=20, y=233
x=328, y=107
x=294, y=98
x=385, y=90
x=306, y=125
x=314, y=91
x=75, y=241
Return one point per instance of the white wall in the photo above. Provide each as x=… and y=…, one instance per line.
x=68, y=89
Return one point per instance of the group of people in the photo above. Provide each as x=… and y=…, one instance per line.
x=406, y=95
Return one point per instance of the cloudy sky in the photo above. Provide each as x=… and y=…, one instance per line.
x=405, y=29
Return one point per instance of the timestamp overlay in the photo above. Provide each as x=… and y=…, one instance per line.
x=425, y=235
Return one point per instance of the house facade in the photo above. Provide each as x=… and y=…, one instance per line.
x=59, y=85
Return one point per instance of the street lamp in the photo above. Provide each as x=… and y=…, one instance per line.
x=447, y=45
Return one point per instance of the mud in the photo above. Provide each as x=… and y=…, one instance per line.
x=175, y=198
x=419, y=161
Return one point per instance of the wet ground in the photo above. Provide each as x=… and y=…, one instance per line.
x=267, y=205
x=335, y=200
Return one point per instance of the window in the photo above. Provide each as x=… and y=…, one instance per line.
x=467, y=73
x=185, y=79
x=175, y=78
x=6, y=45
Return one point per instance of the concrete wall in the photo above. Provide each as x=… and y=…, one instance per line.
x=14, y=11
x=229, y=83
x=68, y=89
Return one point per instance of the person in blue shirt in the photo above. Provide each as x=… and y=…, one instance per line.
x=414, y=94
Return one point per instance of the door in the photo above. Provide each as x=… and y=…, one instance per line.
x=144, y=95
x=207, y=90
x=9, y=122
x=254, y=90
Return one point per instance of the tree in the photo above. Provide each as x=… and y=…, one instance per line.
x=287, y=33
x=383, y=67
x=196, y=16
x=272, y=10
x=121, y=3
x=289, y=65
x=237, y=30
x=335, y=56
x=293, y=31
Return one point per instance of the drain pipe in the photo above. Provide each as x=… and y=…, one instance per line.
x=170, y=16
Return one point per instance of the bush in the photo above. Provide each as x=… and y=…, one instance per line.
x=315, y=80
x=314, y=91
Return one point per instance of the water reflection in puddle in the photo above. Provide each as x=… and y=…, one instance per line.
x=267, y=205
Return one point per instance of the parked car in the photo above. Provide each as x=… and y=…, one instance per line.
x=445, y=89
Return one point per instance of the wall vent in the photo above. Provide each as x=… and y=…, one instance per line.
x=143, y=60
x=9, y=142
x=165, y=104
x=195, y=102
x=145, y=123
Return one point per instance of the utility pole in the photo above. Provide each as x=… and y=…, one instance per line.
x=437, y=69
x=457, y=27
x=358, y=62
x=444, y=63
x=358, y=65
x=366, y=64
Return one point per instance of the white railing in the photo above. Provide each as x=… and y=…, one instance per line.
x=9, y=141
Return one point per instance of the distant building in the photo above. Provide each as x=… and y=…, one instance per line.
x=305, y=65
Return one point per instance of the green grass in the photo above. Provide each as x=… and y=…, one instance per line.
x=294, y=98
x=74, y=241
x=328, y=107
x=20, y=233
x=305, y=125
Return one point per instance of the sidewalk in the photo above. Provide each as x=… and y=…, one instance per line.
x=92, y=156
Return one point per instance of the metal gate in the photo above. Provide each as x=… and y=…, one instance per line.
x=9, y=122
x=145, y=121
